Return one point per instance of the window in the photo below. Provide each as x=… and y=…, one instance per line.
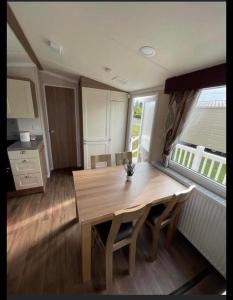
x=201, y=148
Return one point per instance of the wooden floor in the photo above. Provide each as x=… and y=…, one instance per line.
x=43, y=252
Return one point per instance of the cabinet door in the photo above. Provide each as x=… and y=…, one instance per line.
x=25, y=166
x=20, y=99
x=96, y=110
x=28, y=181
x=118, y=122
x=94, y=148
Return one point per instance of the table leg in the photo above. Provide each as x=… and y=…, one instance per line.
x=76, y=209
x=86, y=251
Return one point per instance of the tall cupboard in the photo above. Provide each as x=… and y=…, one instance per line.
x=104, y=122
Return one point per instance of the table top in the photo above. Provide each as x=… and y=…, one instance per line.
x=100, y=192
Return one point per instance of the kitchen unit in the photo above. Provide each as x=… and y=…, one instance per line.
x=104, y=122
x=21, y=99
x=27, y=161
x=10, y=184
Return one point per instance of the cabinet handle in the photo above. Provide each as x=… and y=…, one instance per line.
x=24, y=161
x=22, y=152
x=26, y=176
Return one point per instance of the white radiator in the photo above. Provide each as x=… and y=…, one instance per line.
x=203, y=223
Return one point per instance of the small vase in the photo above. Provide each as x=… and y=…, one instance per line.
x=129, y=178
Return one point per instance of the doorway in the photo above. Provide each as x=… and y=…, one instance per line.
x=142, y=120
x=60, y=103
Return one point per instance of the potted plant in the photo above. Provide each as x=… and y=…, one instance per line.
x=129, y=168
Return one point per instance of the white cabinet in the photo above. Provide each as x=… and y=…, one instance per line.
x=28, y=181
x=104, y=122
x=96, y=109
x=28, y=168
x=21, y=99
x=25, y=166
x=118, y=122
x=94, y=148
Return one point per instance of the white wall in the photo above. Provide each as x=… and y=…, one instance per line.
x=47, y=78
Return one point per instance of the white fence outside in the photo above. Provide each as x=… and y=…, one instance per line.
x=210, y=165
x=134, y=144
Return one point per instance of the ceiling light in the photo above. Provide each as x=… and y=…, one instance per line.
x=147, y=51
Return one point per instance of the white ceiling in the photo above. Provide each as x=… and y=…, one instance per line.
x=187, y=36
x=15, y=51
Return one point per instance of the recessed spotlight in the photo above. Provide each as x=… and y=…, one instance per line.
x=147, y=51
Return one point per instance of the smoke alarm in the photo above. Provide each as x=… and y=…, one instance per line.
x=56, y=47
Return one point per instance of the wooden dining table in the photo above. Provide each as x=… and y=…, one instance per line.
x=102, y=191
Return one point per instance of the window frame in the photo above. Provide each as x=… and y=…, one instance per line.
x=198, y=178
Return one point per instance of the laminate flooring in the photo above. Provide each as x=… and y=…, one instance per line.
x=43, y=252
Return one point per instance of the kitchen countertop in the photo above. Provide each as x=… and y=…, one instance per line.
x=32, y=145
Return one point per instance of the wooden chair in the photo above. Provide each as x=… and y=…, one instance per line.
x=162, y=215
x=123, y=230
x=100, y=158
x=121, y=156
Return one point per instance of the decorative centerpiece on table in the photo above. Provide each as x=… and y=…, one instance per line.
x=129, y=168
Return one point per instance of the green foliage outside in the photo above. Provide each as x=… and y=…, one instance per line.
x=135, y=130
x=138, y=110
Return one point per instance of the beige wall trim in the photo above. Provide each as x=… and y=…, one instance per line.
x=21, y=64
x=60, y=76
x=87, y=82
x=147, y=92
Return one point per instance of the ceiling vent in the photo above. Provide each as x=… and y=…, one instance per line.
x=56, y=47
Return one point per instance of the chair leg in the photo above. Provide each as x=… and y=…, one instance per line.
x=171, y=231
x=155, y=242
x=132, y=256
x=108, y=268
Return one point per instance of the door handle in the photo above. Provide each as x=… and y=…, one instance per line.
x=52, y=131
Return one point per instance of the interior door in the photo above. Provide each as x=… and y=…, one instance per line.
x=118, y=122
x=146, y=128
x=62, y=126
x=96, y=113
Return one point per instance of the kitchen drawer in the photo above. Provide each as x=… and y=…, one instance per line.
x=25, y=166
x=22, y=154
x=28, y=181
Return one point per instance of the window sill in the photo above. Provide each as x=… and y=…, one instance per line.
x=220, y=197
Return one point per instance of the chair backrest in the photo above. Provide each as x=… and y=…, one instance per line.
x=121, y=156
x=100, y=158
x=174, y=206
x=136, y=215
x=180, y=200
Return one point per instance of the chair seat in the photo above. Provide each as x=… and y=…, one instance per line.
x=155, y=213
x=103, y=229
